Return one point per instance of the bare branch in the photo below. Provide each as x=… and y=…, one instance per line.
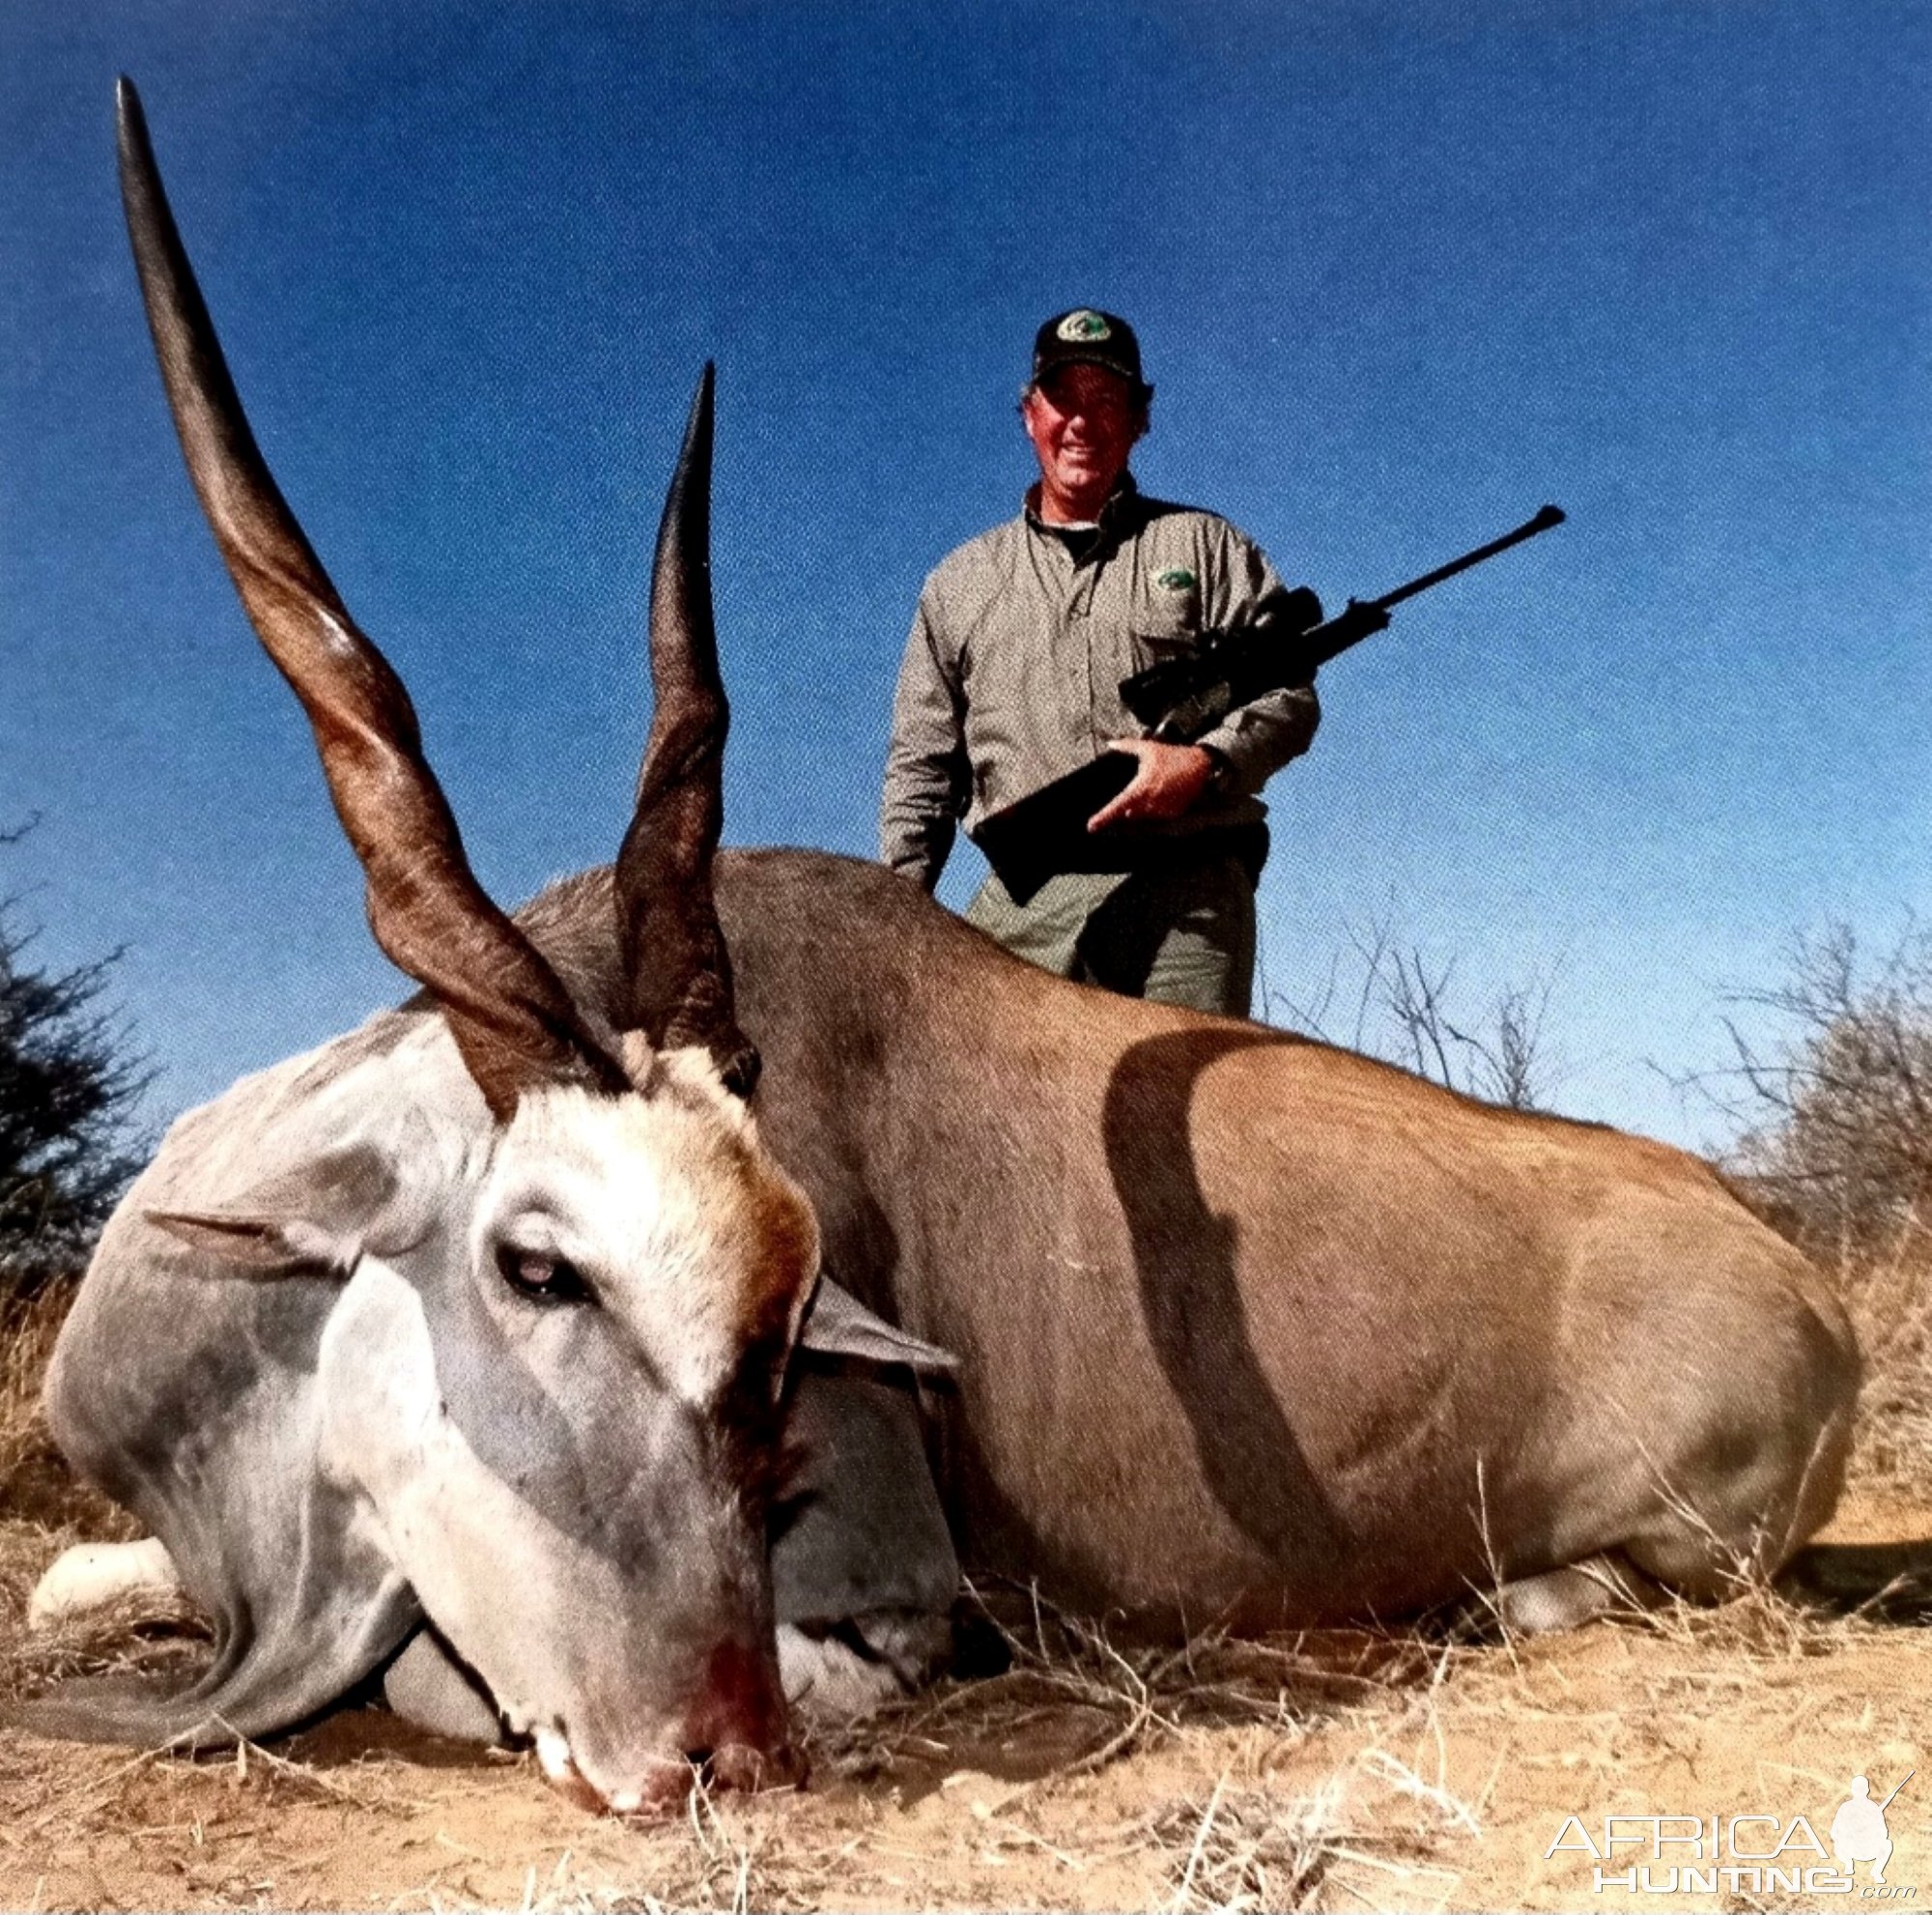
x=1403, y=1012
x=1835, y=1113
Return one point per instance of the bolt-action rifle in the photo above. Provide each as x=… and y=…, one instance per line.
x=1181, y=700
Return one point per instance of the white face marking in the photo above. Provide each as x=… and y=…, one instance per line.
x=553, y=1755
x=446, y=1520
x=678, y=1220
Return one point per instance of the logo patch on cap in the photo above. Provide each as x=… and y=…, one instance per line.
x=1176, y=578
x=1083, y=325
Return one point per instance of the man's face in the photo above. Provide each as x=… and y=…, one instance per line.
x=1083, y=422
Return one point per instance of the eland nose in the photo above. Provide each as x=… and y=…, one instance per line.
x=738, y=1728
x=738, y=1766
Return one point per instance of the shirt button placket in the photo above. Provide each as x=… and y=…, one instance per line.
x=1084, y=733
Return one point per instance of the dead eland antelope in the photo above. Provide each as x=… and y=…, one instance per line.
x=462, y=1348
x=1247, y=1328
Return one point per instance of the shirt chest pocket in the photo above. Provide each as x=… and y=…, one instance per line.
x=1166, y=617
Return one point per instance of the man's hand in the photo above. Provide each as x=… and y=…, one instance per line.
x=1170, y=777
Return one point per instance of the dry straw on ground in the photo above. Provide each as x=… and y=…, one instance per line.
x=1888, y=1291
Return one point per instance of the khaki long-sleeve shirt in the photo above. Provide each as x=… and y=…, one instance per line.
x=1011, y=675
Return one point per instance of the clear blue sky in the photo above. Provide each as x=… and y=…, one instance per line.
x=1400, y=274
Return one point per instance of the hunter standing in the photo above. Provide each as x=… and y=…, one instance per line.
x=1012, y=677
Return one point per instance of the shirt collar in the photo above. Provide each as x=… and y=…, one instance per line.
x=1114, y=514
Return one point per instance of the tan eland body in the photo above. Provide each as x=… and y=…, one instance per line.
x=1250, y=1326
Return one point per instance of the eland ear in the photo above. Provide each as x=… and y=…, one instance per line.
x=838, y=1325
x=320, y=1216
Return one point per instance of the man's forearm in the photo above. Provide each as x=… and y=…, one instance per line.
x=918, y=807
x=914, y=843
x=927, y=778
x=1259, y=738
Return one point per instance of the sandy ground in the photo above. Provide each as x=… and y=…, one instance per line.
x=1399, y=1770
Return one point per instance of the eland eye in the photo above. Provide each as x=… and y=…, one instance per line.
x=537, y=1273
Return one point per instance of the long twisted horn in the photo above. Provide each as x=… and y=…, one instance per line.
x=678, y=971
x=511, y=1017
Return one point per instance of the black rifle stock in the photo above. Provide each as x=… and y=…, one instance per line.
x=1181, y=700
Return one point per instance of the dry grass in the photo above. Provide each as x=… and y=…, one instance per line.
x=1251, y=1847
x=27, y=1333
x=1889, y=1292
x=1086, y=1700
x=43, y=1511
x=35, y=1482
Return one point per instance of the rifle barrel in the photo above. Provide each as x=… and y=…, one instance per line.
x=1549, y=516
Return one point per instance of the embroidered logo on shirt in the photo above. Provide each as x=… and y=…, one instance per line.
x=1085, y=325
x=1176, y=578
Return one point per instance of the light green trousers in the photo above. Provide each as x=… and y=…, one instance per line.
x=1183, y=935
